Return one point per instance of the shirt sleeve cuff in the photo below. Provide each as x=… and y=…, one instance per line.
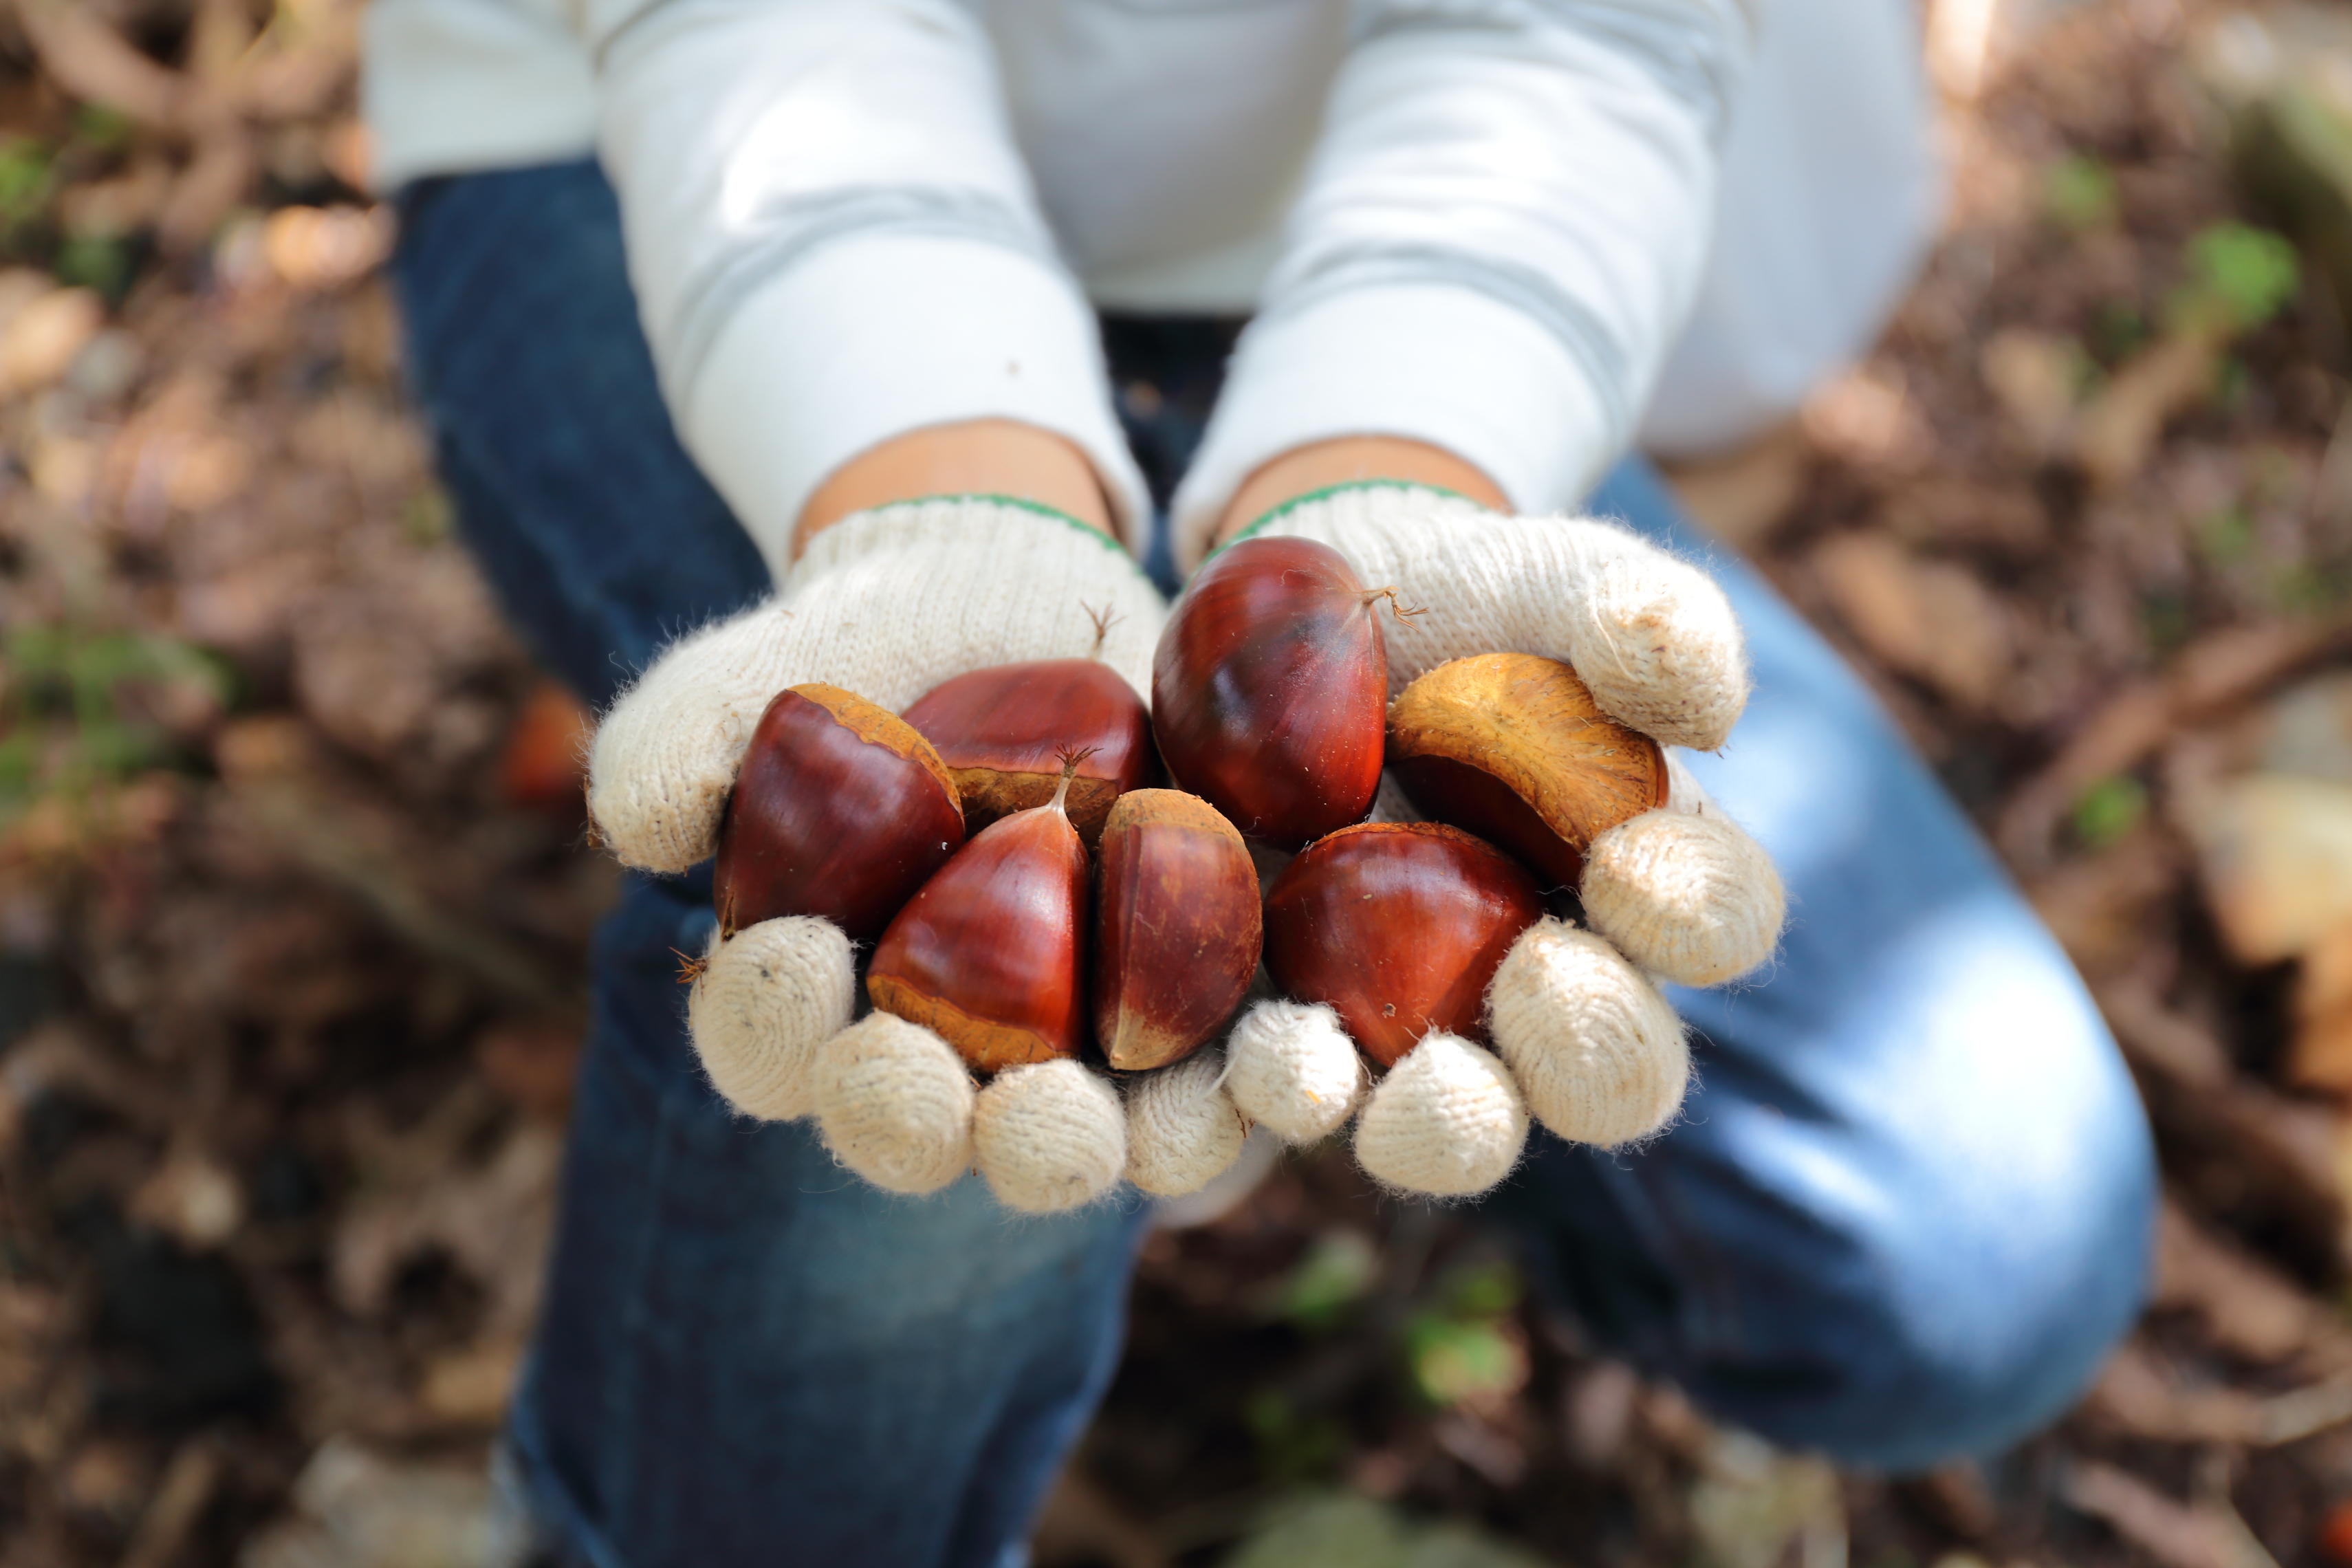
x=869, y=339
x=1424, y=362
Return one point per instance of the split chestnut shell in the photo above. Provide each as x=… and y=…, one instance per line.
x=840, y=810
x=1511, y=747
x=1177, y=927
x=1003, y=732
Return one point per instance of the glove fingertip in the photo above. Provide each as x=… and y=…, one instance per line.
x=1292, y=1069
x=760, y=1006
x=1183, y=1129
x=1447, y=1121
x=895, y=1104
x=1600, y=1056
x=1659, y=645
x=1049, y=1136
x=1688, y=897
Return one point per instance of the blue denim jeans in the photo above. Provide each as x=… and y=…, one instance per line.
x=1907, y=1213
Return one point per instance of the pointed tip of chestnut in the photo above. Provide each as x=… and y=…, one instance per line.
x=990, y=953
x=840, y=810
x=999, y=731
x=1268, y=689
x=1177, y=927
x=1399, y=927
x=1511, y=747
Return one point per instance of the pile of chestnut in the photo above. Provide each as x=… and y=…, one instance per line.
x=1029, y=893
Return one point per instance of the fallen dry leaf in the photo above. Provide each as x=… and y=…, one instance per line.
x=326, y=247
x=2275, y=852
x=493, y=1219
x=2307, y=728
x=470, y=1387
x=546, y=755
x=357, y=1509
x=531, y=1062
x=2250, y=1306
x=2119, y=427
x=2172, y=1533
x=39, y=340
x=2321, y=1056
x=108, y=1476
x=1865, y=417
x=2213, y=677
x=1753, y=1503
x=1932, y=619
x=1742, y=495
x=2099, y=905
x=2034, y=375
x=191, y=1196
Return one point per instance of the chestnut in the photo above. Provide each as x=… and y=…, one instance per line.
x=1000, y=732
x=990, y=955
x=840, y=810
x=1268, y=686
x=1177, y=927
x=1399, y=926
x=1511, y=747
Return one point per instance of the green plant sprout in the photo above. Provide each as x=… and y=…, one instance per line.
x=2108, y=810
x=2239, y=278
x=27, y=181
x=70, y=720
x=1329, y=1282
x=2078, y=191
x=2226, y=538
x=1458, y=1349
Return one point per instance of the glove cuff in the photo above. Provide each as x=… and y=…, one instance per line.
x=993, y=580
x=1324, y=514
x=956, y=522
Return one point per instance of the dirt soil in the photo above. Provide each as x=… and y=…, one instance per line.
x=294, y=889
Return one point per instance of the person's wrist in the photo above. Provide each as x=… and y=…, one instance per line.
x=1352, y=459
x=1003, y=459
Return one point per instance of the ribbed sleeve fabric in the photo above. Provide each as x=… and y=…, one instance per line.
x=1549, y=165
x=1437, y=363
x=874, y=335
x=452, y=86
x=834, y=241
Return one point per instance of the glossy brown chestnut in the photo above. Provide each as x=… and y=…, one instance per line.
x=1001, y=732
x=1399, y=926
x=991, y=954
x=1512, y=748
x=840, y=809
x=1268, y=689
x=1177, y=927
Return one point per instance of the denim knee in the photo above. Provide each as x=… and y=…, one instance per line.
x=1982, y=1241
x=1901, y=1229
x=1930, y=1389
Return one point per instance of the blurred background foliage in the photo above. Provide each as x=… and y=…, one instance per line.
x=294, y=900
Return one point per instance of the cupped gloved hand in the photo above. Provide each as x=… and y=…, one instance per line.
x=1582, y=1038
x=886, y=604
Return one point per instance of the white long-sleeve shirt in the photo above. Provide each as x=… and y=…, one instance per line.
x=1484, y=223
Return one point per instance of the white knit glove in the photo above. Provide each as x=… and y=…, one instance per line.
x=886, y=604
x=1584, y=1039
